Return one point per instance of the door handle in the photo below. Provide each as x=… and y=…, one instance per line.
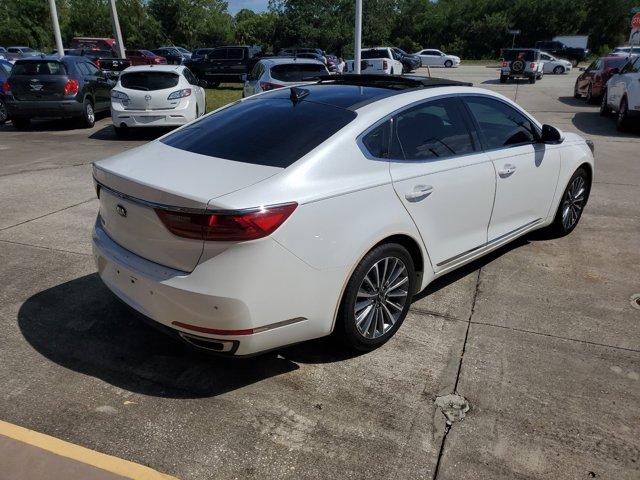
x=507, y=170
x=419, y=192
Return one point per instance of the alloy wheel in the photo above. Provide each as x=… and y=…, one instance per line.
x=573, y=203
x=91, y=116
x=381, y=297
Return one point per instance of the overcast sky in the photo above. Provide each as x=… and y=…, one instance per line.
x=255, y=5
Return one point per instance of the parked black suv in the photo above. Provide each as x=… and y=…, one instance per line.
x=50, y=86
x=225, y=64
x=559, y=49
x=410, y=62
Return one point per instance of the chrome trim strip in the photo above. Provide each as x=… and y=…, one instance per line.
x=490, y=243
x=173, y=208
x=283, y=323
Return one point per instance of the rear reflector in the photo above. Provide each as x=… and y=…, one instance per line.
x=6, y=87
x=226, y=226
x=213, y=331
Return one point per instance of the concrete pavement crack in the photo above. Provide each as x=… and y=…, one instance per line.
x=455, y=387
x=46, y=214
x=45, y=248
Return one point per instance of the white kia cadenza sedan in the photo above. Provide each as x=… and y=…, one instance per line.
x=296, y=212
x=156, y=96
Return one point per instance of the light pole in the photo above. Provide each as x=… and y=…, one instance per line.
x=357, y=38
x=56, y=27
x=116, y=28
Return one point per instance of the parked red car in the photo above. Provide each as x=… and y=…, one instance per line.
x=144, y=57
x=591, y=83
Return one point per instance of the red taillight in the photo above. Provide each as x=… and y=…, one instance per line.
x=505, y=63
x=6, y=87
x=385, y=65
x=98, y=64
x=532, y=65
x=226, y=226
x=71, y=88
x=264, y=86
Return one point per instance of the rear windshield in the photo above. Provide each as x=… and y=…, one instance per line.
x=297, y=72
x=273, y=132
x=526, y=55
x=149, y=80
x=375, y=53
x=39, y=68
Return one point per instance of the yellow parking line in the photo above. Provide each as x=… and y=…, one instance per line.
x=115, y=465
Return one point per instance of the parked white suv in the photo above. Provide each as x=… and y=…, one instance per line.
x=156, y=96
x=380, y=60
x=622, y=94
x=435, y=58
x=272, y=73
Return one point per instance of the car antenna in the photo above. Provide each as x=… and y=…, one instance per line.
x=298, y=94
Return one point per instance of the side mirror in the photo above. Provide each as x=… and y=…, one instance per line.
x=551, y=134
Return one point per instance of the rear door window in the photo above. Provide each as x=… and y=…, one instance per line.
x=263, y=131
x=39, y=68
x=149, y=81
x=375, y=53
x=298, y=72
x=500, y=125
x=377, y=141
x=435, y=129
x=235, y=53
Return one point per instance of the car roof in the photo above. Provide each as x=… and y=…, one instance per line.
x=290, y=60
x=355, y=91
x=155, y=68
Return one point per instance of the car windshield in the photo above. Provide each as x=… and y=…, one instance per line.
x=146, y=80
x=39, y=68
x=297, y=72
x=526, y=55
x=263, y=131
x=615, y=62
x=375, y=53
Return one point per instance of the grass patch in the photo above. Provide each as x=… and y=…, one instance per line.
x=225, y=93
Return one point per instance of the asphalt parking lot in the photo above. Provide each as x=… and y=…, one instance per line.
x=541, y=338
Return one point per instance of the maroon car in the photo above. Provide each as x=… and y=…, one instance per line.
x=591, y=83
x=144, y=57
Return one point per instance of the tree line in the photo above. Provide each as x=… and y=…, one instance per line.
x=468, y=28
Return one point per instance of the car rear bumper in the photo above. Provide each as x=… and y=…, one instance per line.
x=152, y=118
x=43, y=108
x=237, y=305
x=508, y=73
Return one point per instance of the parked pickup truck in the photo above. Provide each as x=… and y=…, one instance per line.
x=558, y=49
x=380, y=60
x=225, y=64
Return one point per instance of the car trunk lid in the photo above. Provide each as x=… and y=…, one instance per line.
x=148, y=90
x=133, y=185
x=38, y=80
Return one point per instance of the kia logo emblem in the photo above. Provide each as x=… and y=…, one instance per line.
x=121, y=210
x=147, y=97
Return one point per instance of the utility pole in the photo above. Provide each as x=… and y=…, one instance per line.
x=357, y=43
x=56, y=27
x=116, y=29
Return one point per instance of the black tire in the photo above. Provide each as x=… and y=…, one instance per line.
x=88, y=118
x=346, y=327
x=4, y=113
x=574, y=63
x=21, y=123
x=559, y=228
x=589, y=97
x=605, y=110
x=532, y=79
x=503, y=78
x=559, y=70
x=448, y=64
x=622, y=120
